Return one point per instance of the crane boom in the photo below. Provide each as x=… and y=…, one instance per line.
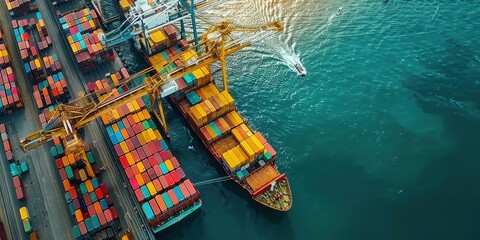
x=83, y=110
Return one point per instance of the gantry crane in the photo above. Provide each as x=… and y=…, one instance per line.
x=217, y=43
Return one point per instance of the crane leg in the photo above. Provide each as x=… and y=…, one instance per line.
x=161, y=117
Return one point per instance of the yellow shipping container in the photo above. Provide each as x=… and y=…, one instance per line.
x=231, y=160
x=235, y=118
x=239, y=156
x=70, y=40
x=146, y=136
x=115, y=114
x=151, y=134
x=169, y=165
x=237, y=135
x=146, y=114
x=141, y=139
x=130, y=107
x=115, y=127
x=151, y=189
x=24, y=213
x=135, y=105
x=140, y=116
x=246, y=129
x=140, y=167
x=135, y=118
x=257, y=143
x=114, y=78
x=248, y=150
x=124, y=147
x=255, y=148
x=157, y=134
x=73, y=47
x=130, y=159
x=245, y=156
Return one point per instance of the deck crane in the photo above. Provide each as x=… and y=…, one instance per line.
x=146, y=17
x=67, y=119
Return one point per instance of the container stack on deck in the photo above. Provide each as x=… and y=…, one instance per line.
x=161, y=39
x=102, y=86
x=155, y=176
x=9, y=93
x=213, y=116
x=82, y=29
x=45, y=40
x=20, y=7
x=88, y=200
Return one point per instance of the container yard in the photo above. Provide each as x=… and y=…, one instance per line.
x=104, y=142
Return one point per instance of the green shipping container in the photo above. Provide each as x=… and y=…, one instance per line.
x=26, y=225
x=96, y=222
x=167, y=200
x=24, y=167
x=147, y=210
x=53, y=152
x=69, y=172
x=89, y=224
x=90, y=157
x=76, y=231
x=145, y=192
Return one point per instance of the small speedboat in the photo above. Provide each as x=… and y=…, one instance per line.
x=301, y=70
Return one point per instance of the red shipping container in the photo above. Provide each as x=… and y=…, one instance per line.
x=151, y=173
x=184, y=190
x=73, y=192
x=155, y=207
x=169, y=179
x=83, y=228
x=134, y=183
x=145, y=177
x=163, y=181
x=139, y=195
x=102, y=219
x=146, y=164
x=172, y=196
x=108, y=215
x=19, y=192
x=152, y=161
x=129, y=173
x=180, y=172
x=158, y=159
x=141, y=153
x=157, y=185
x=99, y=193
x=175, y=176
x=157, y=170
x=16, y=181
x=124, y=162
x=91, y=210
x=104, y=189
x=190, y=187
x=114, y=213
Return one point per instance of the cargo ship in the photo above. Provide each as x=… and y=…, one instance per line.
x=244, y=154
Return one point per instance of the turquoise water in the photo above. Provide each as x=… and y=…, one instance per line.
x=380, y=140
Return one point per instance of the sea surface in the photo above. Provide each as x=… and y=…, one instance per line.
x=379, y=141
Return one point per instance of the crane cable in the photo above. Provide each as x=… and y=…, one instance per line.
x=212, y=181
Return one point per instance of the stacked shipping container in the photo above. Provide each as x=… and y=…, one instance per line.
x=155, y=176
x=9, y=93
x=20, y=7
x=160, y=39
x=239, y=149
x=83, y=32
x=27, y=227
x=45, y=73
x=88, y=200
x=15, y=170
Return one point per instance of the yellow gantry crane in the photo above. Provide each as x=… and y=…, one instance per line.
x=217, y=43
